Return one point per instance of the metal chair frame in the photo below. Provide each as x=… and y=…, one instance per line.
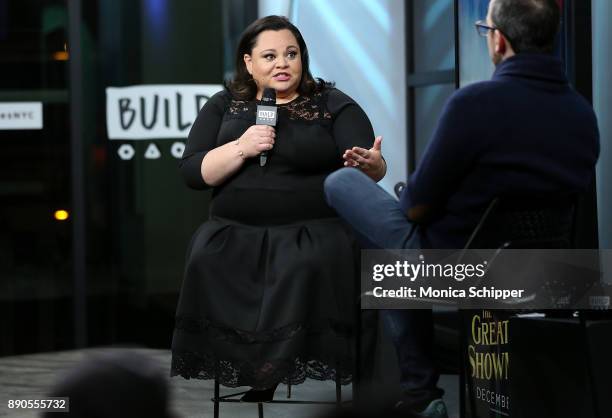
x=217, y=399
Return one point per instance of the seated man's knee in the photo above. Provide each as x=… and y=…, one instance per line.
x=340, y=181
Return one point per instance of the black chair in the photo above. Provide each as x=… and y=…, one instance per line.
x=356, y=375
x=217, y=399
x=544, y=221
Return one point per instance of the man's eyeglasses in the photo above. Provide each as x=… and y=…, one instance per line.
x=483, y=29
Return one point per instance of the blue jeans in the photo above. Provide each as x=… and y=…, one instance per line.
x=379, y=222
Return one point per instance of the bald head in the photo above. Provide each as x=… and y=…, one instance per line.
x=529, y=25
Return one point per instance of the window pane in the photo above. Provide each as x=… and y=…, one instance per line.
x=434, y=34
x=35, y=247
x=429, y=102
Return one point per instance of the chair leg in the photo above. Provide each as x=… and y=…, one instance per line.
x=589, y=368
x=216, y=399
x=260, y=410
x=357, y=361
x=338, y=387
x=462, y=353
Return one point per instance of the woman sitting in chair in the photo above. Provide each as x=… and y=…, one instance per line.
x=268, y=290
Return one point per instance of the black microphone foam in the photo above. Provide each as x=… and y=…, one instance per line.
x=268, y=97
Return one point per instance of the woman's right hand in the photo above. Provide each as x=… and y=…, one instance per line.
x=256, y=139
x=221, y=162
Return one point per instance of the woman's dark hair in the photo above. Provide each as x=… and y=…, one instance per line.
x=242, y=86
x=530, y=25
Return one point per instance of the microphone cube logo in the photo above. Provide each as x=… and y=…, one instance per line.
x=266, y=115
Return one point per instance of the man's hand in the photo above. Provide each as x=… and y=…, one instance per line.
x=370, y=161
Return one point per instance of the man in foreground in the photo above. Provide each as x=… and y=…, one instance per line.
x=524, y=132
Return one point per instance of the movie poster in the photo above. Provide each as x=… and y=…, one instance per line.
x=487, y=363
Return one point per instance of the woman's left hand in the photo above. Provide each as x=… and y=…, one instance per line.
x=370, y=161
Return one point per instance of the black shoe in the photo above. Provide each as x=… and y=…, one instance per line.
x=253, y=395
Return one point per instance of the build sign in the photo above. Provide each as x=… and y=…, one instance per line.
x=155, y=111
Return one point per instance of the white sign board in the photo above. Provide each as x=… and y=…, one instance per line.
x=21, y=115
x=155, y=111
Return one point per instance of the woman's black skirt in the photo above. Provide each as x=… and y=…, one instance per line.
x=266, y=304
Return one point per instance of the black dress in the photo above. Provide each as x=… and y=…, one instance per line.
x=268, y=291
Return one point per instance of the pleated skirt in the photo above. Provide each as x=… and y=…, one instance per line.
x=266, y=304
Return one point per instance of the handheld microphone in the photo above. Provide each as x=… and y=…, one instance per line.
x=266, y=115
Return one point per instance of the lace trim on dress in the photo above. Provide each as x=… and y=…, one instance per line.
x=191, y=365
x=240, y=107
x=303, y=108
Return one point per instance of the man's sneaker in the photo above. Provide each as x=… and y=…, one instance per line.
x=435, y=409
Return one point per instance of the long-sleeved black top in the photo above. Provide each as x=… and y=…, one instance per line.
x=312, y=133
